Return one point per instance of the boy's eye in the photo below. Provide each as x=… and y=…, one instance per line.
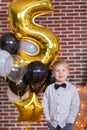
x=59, y=70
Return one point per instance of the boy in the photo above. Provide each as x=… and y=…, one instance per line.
x=60, y=100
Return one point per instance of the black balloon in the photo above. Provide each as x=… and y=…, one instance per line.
x=38, y=89
x=9, y=42
x=36, y=75
x=49, y=80
x=41, y=88
x=18, y=89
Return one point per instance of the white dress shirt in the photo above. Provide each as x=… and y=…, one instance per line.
x=61, y=105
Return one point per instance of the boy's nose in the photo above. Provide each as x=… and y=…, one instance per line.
x=60, y=71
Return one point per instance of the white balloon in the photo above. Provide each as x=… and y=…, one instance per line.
x=3, y=57
x=28, y=47
x=8, y=65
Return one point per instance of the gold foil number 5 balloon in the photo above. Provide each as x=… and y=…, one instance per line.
x=43, y=41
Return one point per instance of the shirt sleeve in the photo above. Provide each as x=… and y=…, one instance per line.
x=74, y=109
x=45, y=105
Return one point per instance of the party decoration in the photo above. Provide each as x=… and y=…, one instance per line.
x=41, y=87
x=81, y=120
x=36, y=74
x=30, y=109
x=27, y=128
x=20, y=88
x=14, y=97
x=36, y=89
x=9, y=42
x=3, y=57
x=49, y=80
x=11, y=95
x=17, y=68
x=28, y=47
x=45, y=44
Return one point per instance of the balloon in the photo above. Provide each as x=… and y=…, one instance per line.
x=36, y=73
x=13, y=97
x=27, y=129
x=3, y=57
x=37, y=89
x=21, y=17
x=17, y=68
x=30, y=109
x=20, y=88
x=9, y=43
x=49, y=80
x=28, y=47
x=41, y=87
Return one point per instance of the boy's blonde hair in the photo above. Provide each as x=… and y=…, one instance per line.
x=60, y=62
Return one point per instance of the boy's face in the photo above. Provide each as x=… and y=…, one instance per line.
x=61, y=73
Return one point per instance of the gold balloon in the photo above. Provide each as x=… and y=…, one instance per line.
x=81, y=120
x=27, y=128
x=30, y=109
x=21, y=17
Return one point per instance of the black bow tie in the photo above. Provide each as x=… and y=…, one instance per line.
x=56, y=86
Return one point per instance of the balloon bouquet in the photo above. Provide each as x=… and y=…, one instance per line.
x=27, y=54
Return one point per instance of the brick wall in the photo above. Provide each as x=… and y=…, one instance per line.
x=69, y=22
